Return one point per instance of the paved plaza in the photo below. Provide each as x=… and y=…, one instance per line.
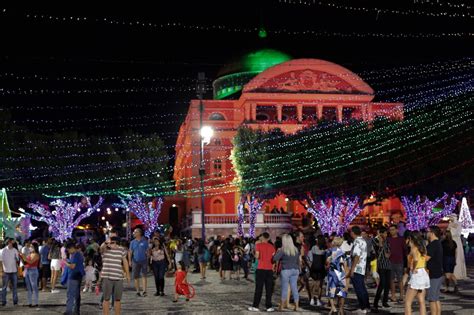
x=214, y=296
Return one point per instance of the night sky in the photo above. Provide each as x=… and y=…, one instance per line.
x=34, y=42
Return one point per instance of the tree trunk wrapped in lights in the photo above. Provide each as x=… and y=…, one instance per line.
x=147, y=212
x=334, y=217
x=420, y=213
x=240, y=218
x=64, y=218
x=254, y=205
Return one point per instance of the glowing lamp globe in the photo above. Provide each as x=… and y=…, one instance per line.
x=206, y=134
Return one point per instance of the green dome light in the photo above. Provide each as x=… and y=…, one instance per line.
x=263, y=59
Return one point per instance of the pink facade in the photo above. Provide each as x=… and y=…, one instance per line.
x=289, y=96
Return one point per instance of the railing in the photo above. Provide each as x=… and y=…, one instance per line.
x=194, y=219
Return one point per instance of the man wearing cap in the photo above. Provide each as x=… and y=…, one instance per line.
x=114, y=263
x=138, y=260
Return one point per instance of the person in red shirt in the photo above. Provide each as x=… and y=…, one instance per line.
x=264, y=252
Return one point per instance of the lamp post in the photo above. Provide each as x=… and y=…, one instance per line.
x=205, y=133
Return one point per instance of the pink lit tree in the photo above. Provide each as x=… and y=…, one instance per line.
x=420, y=213
x=334, y=216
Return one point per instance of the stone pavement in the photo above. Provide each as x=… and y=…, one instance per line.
x=216, y=297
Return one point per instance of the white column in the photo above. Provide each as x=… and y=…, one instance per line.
x=254, y=111
x=299, y=112
x=279, y=112
x=339, y=113
x=320, y=111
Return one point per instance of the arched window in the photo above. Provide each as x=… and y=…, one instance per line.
x=217, y=206
x=262, y=117
x=216, y=116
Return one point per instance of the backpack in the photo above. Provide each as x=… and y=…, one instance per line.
x=206, y=255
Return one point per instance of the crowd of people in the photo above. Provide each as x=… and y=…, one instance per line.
x=403, y=266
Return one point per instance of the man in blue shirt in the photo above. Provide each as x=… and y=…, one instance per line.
x=75, y=273
x=138, y=260
x=45, y=264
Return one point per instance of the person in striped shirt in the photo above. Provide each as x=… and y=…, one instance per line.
x=382, y=250
x=114, y=264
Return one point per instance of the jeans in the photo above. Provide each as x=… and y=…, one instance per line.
x=245, y=265
x=13, y=278
x=263, y=277
x=159, y=269
x=361, y=291
x=289, y=276
x=31, y=281
x=73, y=302
x=385, y=276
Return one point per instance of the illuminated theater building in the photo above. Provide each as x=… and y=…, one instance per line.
x=266, y=90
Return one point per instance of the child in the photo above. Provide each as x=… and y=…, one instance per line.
x=236, y=263
x=180, y=282
x=90, y=276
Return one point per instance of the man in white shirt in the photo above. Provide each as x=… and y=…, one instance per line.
x=10, y=260
x=357, y=272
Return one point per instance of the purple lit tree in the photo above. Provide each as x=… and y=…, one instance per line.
x=254, y=206
x=240, y=218
x=334, y=217
x=64, y=218
x=420, y=213
x=147, y=212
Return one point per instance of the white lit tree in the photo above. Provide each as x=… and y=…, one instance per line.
x=465, y=218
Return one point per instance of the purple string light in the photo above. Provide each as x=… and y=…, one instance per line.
x=240, y=218
x=254, y=206
x=336, y=217
x=145, y=212
x=420, y=213
x=62, y=221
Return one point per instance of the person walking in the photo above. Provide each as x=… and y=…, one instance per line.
x=317, y=257
x=31, y=263
x=45, y=264
x=419, y=280
x=264, y=252
x=397, y=253
x=114, y=263
x=289, y=256
x=358, y=268
x=75, y=272
x=160, y=259
x=10, y=259
x=55, y=256
x=338, y=268
x=434, y=265
x=138, y=260
x=449, y=261
x=382, y=252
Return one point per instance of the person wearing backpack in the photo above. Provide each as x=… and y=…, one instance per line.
x=204, y=256
x=317, y=258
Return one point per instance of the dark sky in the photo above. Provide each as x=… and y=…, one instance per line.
x=174, y=55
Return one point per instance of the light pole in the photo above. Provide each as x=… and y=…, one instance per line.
x=205, y=133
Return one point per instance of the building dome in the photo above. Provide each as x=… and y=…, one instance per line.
x=232, y=78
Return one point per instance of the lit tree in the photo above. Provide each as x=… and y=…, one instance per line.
x=334, y=217
x=420, y=213
x=147, y=212
x=465, y=218
x=240, y=218
x=254, y=205
x=64, y=218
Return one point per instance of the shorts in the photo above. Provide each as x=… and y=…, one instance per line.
x=115, y=286
x=139, y=269
x=419, y=280
x=449, y=263
x=434, y=290
x=397, y=271
x=46, y=271
x=55, y=264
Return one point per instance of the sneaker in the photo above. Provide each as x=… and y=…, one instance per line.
x=253, y=309
x=360, y=311
x=271, y=309
x=319, y=303
x=138, y=294
x=85, y=290
x=386, y=305
x=156, y=294
x=55, y=291
x=100, y=306
x=144, y=293
x=311, y=302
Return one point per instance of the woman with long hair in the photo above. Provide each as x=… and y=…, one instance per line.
x=289, y=256
x=317, y=256
x=55, y=257
x=160, y=259
x=31, y=274
x=449, y=260
x=419, y=280
x=203, y=258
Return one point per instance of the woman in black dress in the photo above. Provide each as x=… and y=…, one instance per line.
x=226, y=263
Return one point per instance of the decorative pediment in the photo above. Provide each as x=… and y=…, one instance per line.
x=308, y=76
